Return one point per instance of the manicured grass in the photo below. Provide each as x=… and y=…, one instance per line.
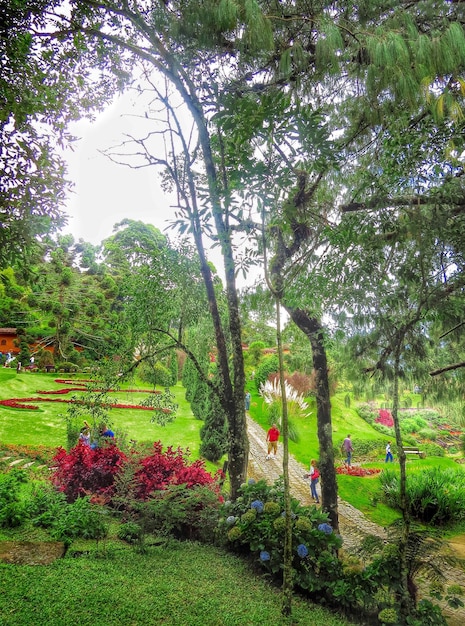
x=173, y=584
x=47, y=426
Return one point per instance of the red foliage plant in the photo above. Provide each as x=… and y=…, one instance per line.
x=385, y=418
x=355, y=470
x=161, y=469
x=84, y=471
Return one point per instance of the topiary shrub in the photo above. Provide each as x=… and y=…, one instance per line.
x=67, y=367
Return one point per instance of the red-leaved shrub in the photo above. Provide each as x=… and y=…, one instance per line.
x=161, y=469
x=84, y=471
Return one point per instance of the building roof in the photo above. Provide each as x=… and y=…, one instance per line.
x=7, y=331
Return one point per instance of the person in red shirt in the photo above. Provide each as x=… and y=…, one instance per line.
x=272, y=437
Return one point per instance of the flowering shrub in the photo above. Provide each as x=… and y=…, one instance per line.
x=385, y=418
x=256, y=523
x=161, y=469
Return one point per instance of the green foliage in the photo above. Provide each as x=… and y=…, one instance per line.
x=214, y=432
x=131, y=532
x=185, y=513
x=48, y=508
x=12, y=510
x=435, y=496
x=255, y=523
x=268, y=366
x=67, y=367
x=156, y=374
x=255, y=352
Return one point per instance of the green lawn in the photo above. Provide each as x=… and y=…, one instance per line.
x=47, y=426
x=174, y=584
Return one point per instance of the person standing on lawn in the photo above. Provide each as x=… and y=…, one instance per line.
x=389, y=456
x=348, y=449
x=272, y=437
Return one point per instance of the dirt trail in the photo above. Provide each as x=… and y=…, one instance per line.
x=353, y=525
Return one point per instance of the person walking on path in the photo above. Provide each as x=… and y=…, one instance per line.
x=348, y=449
x=247, y=400
x=272, y=437
x=314, y=480
x=389, y=456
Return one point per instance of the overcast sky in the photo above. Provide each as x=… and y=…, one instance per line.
x=105, y=192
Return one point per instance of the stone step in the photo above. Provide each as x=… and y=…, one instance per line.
x=17, y=462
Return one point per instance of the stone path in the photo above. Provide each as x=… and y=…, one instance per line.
x=353, y=525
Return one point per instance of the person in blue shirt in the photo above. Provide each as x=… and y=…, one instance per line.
x=106, y=432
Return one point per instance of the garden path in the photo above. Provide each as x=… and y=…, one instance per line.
x=353, y=525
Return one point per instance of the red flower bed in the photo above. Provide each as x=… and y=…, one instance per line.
x=19, y=403
x=356, y=470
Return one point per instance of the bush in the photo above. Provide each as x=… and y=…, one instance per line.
x=255, y=524
x=157, y=374
x=48, y=508
x=12, y=510
x=268, y=366
x=434, y=496
x=131, y=532
x=185, y=513
x=85, y=471
x=428, y=433
x=68, y=367
x=162, y=469
x=367, y=413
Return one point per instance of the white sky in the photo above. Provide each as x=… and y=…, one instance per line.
x=105, y=192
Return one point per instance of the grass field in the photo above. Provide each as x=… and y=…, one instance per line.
x=47, y=425
x=174, y=584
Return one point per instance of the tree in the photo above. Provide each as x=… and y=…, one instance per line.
x=39, y=94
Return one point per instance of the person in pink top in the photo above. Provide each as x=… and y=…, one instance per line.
x=272, y=437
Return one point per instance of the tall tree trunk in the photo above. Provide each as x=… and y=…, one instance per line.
x=288, y=574
x=313, y=329
x=406, y=601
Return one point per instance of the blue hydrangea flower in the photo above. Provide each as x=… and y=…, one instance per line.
x=231, y=519
x=325, y=528
x=251, y=481
x=264, y=555
x=302, y=551
x=257, y=505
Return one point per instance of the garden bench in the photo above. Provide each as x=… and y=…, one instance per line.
x=414, y=450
